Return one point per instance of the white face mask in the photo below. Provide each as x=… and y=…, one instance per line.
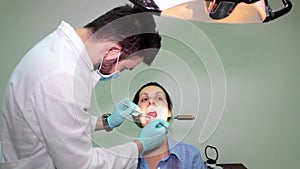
x=108, y=77
x=99, y=76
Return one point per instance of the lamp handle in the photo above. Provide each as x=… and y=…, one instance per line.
x=275, y=14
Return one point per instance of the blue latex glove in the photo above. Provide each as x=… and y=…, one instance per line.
x=153, y=134
x=122, y=109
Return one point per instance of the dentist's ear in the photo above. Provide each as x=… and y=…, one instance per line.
x=112, y=51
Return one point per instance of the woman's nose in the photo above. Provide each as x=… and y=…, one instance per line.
x=151, y=102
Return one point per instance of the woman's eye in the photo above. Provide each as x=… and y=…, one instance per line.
x=160, y=98
x=144, y=99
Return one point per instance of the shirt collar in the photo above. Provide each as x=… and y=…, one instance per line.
x=173, y=149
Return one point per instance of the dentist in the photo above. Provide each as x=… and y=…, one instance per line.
x=46, y=121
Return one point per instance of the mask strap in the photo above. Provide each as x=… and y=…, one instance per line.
x=100, y=65
x=117, y=61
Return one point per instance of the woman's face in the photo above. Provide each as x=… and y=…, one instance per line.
x=153, y=104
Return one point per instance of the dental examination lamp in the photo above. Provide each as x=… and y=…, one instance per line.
x=215, y=11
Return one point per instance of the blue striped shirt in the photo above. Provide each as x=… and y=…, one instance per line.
x=182, y=156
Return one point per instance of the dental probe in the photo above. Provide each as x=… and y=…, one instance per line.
x=184, y=117
x=136, y=113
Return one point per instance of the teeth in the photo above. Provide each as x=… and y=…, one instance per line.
x=150, y=118
x=152, y=114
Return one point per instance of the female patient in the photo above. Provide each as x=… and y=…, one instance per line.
x=155, y=103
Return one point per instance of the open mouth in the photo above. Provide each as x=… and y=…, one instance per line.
x=151, y=116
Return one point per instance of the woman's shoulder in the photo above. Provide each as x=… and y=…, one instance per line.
x=188, y=154
x=189, y=147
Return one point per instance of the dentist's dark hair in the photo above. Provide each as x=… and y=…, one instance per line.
x=133, y=29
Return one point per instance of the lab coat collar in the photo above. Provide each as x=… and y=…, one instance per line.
x=76, y=43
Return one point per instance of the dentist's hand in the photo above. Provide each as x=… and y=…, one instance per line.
x=122, y=109
x=153, y=134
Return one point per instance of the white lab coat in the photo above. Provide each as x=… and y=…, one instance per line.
x=46, y=122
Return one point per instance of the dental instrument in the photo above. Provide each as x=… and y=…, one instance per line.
x=184, y=117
